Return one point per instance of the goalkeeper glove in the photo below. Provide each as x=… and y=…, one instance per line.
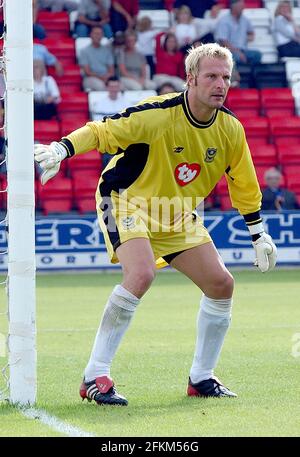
x=49, y=158
x=265, y=249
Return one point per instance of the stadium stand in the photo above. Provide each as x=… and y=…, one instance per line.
x=56, y=196
x=57, y=24
x=267, y=103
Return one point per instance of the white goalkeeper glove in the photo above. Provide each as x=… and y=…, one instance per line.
x=265, y=253
x=49, y=158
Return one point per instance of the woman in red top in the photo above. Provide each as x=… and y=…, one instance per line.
x=169, y=61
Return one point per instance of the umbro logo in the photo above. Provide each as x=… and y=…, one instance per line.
x=178, y=149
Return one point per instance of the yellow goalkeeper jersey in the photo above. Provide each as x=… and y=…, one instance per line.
x=161, y=150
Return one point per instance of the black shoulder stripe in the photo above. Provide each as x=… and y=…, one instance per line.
x=227, y=111
x=168, y=103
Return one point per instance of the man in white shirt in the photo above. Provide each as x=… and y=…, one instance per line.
x=234, y=31
x=111, y=102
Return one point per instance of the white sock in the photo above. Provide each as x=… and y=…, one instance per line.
x=116, y=318
x=212, y=324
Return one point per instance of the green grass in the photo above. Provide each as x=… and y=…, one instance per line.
x=152, y=365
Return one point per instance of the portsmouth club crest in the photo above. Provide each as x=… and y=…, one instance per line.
x=210, y=155
x=128, y=222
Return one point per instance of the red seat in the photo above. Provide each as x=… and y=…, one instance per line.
x=46, y=131
x=90, y=160
x=279, y=98
x=289, y=153
x=56, y=196
x=63, y=49
x=68, y=125
x=226, y=204
x=57, y=24
x=75, y=104
x=292, y=176
x=253, y=4
x=244, y=112
x=288, y=127
x=85, y=174
x=254, y=142
x=264, y=155
x=244, y=101
x=256, y=127
x=221, y=187
x=284, y=141
x=84, y=192
x=71, y=79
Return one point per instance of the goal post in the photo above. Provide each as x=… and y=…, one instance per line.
x=18, y=48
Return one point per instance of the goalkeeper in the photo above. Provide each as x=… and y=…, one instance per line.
x=171, y=148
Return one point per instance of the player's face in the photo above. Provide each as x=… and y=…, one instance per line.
x=210, y=87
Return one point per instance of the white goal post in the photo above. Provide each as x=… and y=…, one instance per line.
x=18, y=46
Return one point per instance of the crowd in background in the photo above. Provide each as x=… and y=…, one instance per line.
x=126, y=53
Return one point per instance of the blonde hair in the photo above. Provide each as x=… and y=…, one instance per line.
x=279, y=6
x=211, y=50
x=184, y=9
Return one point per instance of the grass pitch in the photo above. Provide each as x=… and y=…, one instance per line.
x=152, y=365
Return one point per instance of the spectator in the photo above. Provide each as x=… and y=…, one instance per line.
x=113, y=101
x=133, y=66
x=169, y=61
x=93, y=13
x=274, y=196
x=286, y=32
x=145, y=41
x=38, y=30
x=124, y=14
x=58, y=5
x=46, y=92
x=97, y=62
x=185, y=28
x=40, y=52
x=234, y=31
x=206, y=27
x=166, y=88
x=118, y=46
x=197, y=7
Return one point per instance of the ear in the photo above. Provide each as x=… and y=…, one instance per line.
x=191, y=80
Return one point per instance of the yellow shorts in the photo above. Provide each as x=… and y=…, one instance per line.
x=119, y=226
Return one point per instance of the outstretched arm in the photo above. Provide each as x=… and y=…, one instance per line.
x=246, y=196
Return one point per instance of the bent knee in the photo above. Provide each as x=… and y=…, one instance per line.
x=138, y=280
x=222, y=286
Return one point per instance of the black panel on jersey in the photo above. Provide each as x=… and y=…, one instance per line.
x=127, y=169
x=168, y=103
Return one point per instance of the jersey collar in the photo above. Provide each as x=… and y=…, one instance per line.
x=192, y=119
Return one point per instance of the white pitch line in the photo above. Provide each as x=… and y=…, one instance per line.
x=54, y=423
